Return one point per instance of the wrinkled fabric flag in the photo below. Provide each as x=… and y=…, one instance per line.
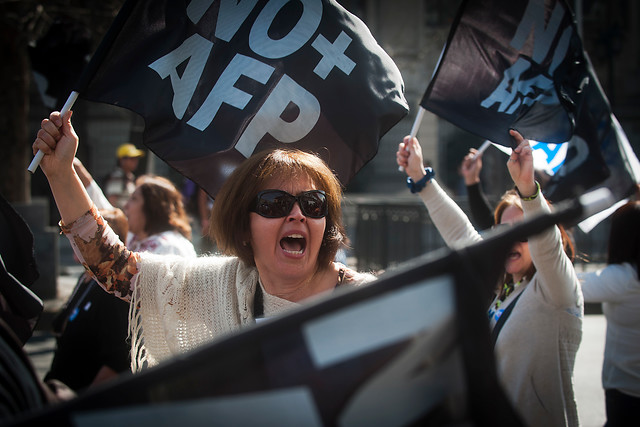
x=521, y=65
x=509, y=64
x=219, y=80
x=598, y=154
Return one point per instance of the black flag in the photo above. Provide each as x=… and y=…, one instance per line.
x=521, y=65
x=218, y=80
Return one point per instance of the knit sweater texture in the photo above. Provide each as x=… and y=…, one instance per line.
x=185, y=303
x=177, y=303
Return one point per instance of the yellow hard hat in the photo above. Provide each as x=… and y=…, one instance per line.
x=129, y=150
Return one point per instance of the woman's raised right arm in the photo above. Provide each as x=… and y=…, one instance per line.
x=102, y=253
x=451, y=222
x=59, y=142
x=93, y=241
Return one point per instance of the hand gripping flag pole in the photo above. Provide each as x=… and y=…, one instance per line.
x=482, y=149
x=414, y=128
x=39, y=155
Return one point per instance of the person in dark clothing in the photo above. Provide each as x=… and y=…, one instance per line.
x=21, y=390
x=92, y=330
x=481, y=211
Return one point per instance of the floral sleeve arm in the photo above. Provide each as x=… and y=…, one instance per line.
x=102, y=253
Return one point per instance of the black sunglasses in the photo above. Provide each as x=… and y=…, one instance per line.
x=502, y=228
x=278, y=203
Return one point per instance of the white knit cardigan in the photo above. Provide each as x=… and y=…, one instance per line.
x=184, y=303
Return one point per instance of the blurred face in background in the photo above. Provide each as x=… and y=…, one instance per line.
x=135, y=214
x=519, y=259
x=129, y=164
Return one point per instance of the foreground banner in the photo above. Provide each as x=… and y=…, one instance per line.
x=412, y=348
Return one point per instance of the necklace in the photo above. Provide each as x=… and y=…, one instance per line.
x=506, y=290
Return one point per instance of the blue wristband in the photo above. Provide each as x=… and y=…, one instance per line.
x=416, y=187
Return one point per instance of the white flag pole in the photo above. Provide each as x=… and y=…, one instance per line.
x=414, y=128
x=39, y=155
x=482, y=149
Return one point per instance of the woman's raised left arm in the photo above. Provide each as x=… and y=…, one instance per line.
x=554, y=268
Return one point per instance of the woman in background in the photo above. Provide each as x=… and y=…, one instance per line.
x=91, y=329
x=157, y=218
x=158, y=222
x=617, y=287
x=537, y=309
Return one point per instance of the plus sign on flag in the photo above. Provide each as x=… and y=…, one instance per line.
x=217, y=81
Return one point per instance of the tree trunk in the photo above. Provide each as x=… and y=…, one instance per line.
x=14, y=86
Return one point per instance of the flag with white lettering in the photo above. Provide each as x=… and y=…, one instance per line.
x=216, y=81
x=521, y=65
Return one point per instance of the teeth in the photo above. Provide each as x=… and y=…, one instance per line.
x=291, y=246
x=293, y=252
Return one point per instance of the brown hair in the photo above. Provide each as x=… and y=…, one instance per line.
x=230, y=226
x=624, y=236
x=162, y=206
x=511, y=198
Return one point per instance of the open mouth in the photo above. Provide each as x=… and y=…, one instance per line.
x=513, y=255
x=294, y=244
